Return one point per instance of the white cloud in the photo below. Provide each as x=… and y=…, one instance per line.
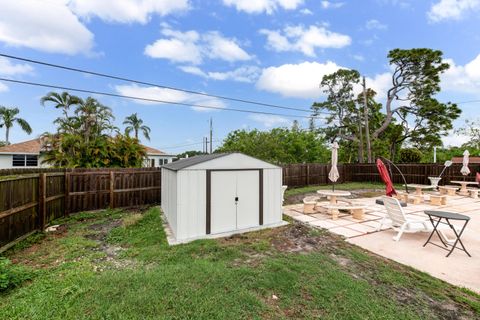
x=8, y=68
x=47, y=26
x=3, y=87
x=192, y=47
x=127, y=11
x=180, y=47
x=218, y=47
x=247, y=74
x=306, y=40
x=259, y=6
x=270, y=121
x=375, y=24
x=306, y=12
x=451, y=9
x=455, y=140
x=168, y=95
x=331, y=5
x=380, y=83
x=296, y=80
x=464, y=79
x=358, y=57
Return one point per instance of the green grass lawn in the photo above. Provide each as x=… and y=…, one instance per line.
x=117, y=265
x=341, y=186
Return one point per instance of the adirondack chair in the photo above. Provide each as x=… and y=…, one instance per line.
x=399, y=221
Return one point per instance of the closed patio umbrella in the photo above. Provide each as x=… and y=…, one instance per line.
x=333, y=175
x=382, y=169
x=465, y=170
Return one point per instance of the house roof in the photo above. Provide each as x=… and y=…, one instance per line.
x=188, y=162
x=34, y=146
x=471, y=159
x=31, y=146
x=154, y=151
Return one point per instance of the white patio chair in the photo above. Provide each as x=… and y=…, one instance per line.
x=399, y=221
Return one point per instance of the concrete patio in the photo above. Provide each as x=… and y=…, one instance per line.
x=458, y=269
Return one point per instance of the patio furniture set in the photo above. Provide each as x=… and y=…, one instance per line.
x=437, y=223
x=336, y=201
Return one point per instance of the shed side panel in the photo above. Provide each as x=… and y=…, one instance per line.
x=191, y=204
x=272, y=196
x=169, y=197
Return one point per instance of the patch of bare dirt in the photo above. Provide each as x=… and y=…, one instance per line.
x=301, y=239
x=112, y=259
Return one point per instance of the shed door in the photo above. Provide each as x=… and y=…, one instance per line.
x=223, y=208
x=234, y=200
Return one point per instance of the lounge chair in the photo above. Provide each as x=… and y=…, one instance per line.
x=399, y=221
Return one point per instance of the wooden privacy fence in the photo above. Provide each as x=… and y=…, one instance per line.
x=301, y=175
x=32, y=198
x=30, y=201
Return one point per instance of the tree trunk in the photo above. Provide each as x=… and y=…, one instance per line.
x=7, y=133
x=361, y=154
x=367, y=129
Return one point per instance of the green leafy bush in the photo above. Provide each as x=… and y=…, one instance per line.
x=11, y=275
x=410, y=155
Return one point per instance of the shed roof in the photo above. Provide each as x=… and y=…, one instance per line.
x=188, y=162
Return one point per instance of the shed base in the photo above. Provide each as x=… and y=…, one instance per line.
x=172, y=240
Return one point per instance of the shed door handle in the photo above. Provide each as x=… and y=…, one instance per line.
x=236, y=199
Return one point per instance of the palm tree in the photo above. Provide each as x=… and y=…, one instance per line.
x=61, y=101
x=8, y=117
x=136, y=124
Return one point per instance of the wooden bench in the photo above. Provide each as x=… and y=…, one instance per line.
x=309, y=204
x=448, y=190
x=357, y=211
x=438, y=199
x=405, y=197
x=473, y=193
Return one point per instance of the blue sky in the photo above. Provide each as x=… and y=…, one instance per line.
x=273, y=51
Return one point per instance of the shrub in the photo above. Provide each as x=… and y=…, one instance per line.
x=11, y=275
x=410, y=155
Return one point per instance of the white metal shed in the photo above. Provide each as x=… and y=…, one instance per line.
x=220, y=194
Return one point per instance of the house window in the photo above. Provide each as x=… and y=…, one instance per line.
x=32, y=161
x=152, y=163
x=22, y=160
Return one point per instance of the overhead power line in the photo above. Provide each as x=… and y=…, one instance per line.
x=186, y=145
x=51, y=86
x=104, y=75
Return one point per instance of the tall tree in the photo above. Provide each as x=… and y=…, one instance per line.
x=344, y=120
x=415, y=82
x=412, y=113
x=84, y=139
x=135, y=124
x=63, y=101
x=8, y=117
x=472, y=131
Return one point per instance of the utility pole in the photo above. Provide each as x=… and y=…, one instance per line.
x=361, y=154
x=211, y=134
x=367, y=129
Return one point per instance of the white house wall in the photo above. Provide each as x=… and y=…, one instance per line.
x=191, y=204
x=6, y=162
x=169, y=197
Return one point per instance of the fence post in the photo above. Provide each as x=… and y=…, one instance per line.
x=308, y=174
x=66, y=210
x=42, y=196
x=112, y=188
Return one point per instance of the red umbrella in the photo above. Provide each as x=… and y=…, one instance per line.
x=382, y=169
